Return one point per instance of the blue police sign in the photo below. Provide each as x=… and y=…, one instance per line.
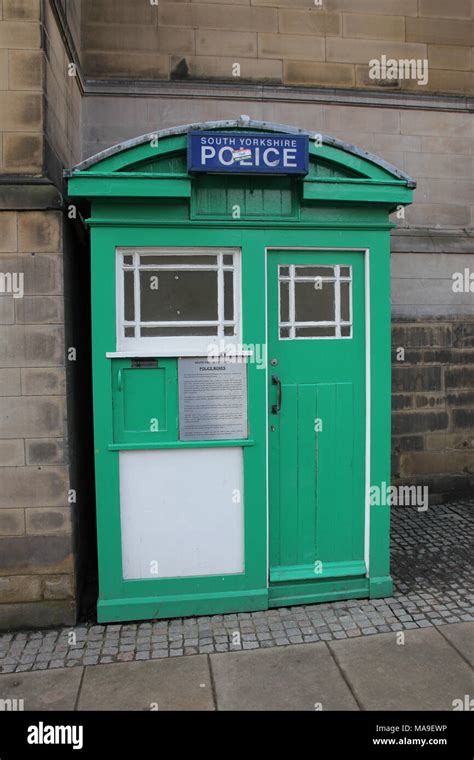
x=242, y=153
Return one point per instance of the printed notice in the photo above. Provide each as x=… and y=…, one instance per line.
x=212, y=400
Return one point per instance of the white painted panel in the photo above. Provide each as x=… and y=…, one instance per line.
x=177, y=510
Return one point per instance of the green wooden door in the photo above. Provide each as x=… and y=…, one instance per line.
x=317, y=415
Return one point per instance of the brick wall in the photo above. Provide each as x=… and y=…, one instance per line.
x=290, y=42
x=433, y=405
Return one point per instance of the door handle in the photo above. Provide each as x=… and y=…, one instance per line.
x=276, y=407
x=119, y=380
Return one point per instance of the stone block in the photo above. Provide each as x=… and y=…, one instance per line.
x=418, y=422
x=4, y=69
x=204, y=16
x=133, y=37
x=213, y=67
x=33, y=486
x=362, y=119
x=36, y=346
x=42, y=614
x=43, y=381
x=8, y=231
x=438, y=214
x=12, y=522
x=459, y=377
x=22, y=153
x=422, y=335
x=463, y=335
x=10, y=382
x=21, y=110
x=450, y=57
x=36, y=555
x=344, y=50
x=314, y=74
x=131, y=65
x=25, y=69
x=390, y=7
x=39, y=231
x=416, y=378
x=436, y=123
x=423, y=463
x=118, y=12
x=32, y=416
x=45, y=451
x=12, y=453
x=7, y=310
x=39, y=310
x=377, y=27
x=23, y=10
x=213, y=42
x=314, y=21
x=295, y=47
x=441, y=31
x=48, y=521
x=58, y=587
x=441, y=9
x=17, y=34
x=20, y=588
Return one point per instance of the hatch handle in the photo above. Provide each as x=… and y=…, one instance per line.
x=119, y=380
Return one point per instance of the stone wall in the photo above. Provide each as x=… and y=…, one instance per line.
x=290, y=42
x=39, y=494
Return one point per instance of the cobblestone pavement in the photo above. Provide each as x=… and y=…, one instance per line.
x=432, y=558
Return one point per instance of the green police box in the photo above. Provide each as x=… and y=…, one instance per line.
x=241, y=369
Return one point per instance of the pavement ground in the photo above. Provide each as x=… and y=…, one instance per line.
x=424, y=669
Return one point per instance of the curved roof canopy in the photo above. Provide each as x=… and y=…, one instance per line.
x=127, y=154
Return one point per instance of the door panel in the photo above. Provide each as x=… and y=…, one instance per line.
x=317, y=440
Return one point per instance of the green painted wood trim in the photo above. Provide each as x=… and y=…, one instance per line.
x=241, y=225
x=146, y=608
x=287, y=595
x=339, y=157
x=369, y=193
x=178, y=445
x=306, y=572
x=380, y=587
x=122, y=185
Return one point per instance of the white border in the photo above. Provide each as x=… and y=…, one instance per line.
x=368, y=409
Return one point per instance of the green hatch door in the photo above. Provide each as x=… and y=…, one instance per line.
x=317, y=407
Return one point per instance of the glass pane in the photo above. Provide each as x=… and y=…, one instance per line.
x=314, y=271
x=314, y=302
x=128, y=260
x=345, y=271
x=315, y=332
x=147, y=259
x=284, y=271
x=168, y=296
x=345, y=301
x=155, y=332
x=284, y=332
x=229, y=331
x=228, y=295
x=129, y=296
x=346, y=331
x=129, y=332
x=228, y=259
x=284, y=301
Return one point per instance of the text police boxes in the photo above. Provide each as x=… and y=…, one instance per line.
x=212, y=400
x=241, y=153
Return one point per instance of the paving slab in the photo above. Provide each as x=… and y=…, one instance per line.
x=43, y=690
x=300, y=677
x=424, y=673
x=461, y=636
x=182, y=683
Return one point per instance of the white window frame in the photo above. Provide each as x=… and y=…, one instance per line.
x=178, y=345
x=337, y=323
